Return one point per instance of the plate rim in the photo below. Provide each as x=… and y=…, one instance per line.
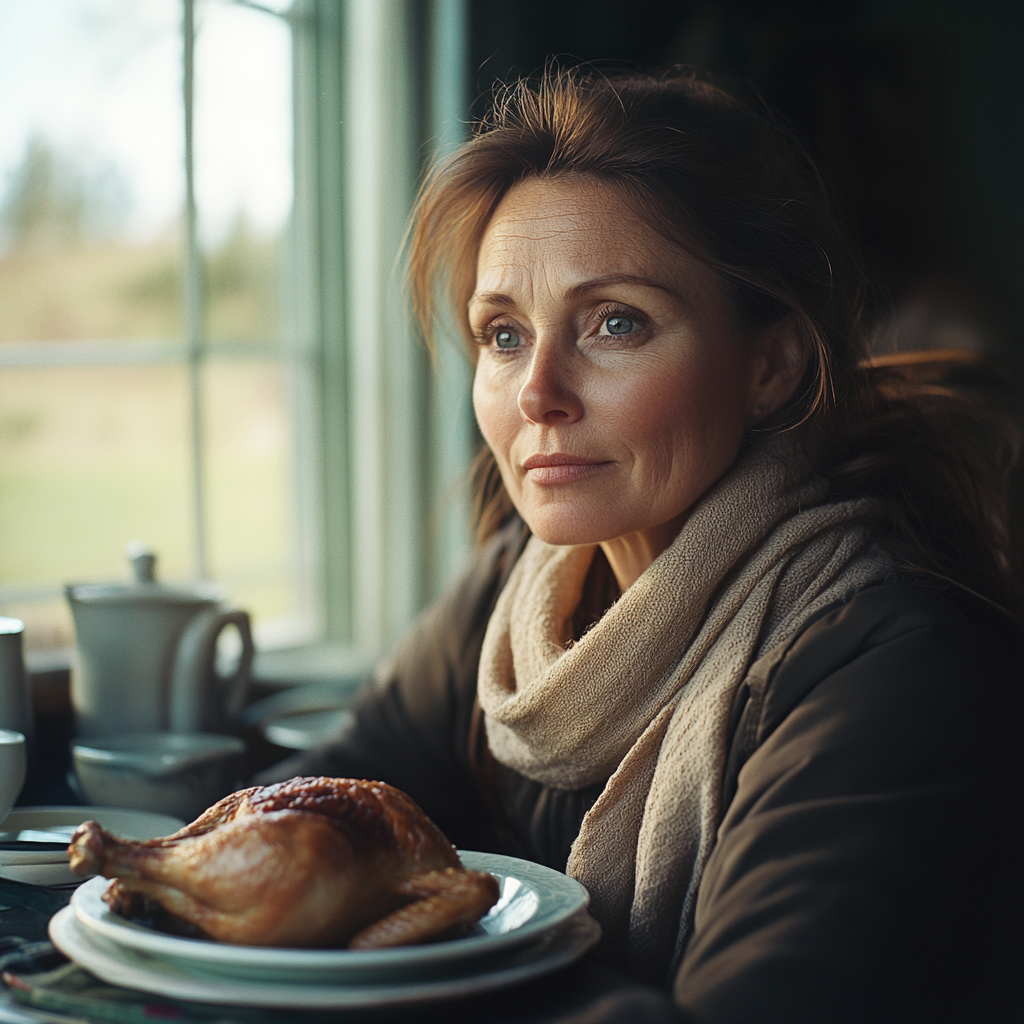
x=558, y=949
x=15, y=858
x=337, y=962
x=73, y=810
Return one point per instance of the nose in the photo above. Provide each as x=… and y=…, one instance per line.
x=548, y=395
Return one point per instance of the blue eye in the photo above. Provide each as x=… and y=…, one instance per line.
x=506, y=338
x=619, y=325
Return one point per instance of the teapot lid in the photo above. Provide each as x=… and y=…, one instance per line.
x=145, y=587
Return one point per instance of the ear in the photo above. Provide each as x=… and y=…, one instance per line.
x=779, y=368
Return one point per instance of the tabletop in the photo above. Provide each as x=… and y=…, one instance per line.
x=41, y=984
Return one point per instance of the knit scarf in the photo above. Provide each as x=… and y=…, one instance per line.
x=643, y=698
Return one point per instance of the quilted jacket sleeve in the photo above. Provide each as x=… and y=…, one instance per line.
x=867, y=867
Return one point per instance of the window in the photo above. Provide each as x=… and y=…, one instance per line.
x=244, y=393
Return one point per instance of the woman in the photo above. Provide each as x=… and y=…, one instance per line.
x=736, y=651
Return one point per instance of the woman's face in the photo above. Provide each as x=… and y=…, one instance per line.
x=611, y=383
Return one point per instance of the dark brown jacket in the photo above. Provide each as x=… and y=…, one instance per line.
x=866, y=868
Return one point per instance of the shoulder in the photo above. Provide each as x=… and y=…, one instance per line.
x=435, y=663
x=919, y=658
x=465, y=606
x=885, y=622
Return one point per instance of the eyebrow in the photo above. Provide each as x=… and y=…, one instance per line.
x=577, y=290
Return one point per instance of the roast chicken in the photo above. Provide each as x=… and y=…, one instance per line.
x=312, y=862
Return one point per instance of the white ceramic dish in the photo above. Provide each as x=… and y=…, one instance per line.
x=120, y=965
x=534, y=901
x=307, y=730
x=50, y=867
x=177, y=773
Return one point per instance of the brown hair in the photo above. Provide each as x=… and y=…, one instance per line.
x=737, y=192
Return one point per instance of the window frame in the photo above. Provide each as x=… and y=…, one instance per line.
x=383, y=438
x=386, y=434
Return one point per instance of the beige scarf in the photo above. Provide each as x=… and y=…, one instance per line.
x=643, y=698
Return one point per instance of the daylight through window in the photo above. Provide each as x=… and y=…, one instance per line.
x=98, y=419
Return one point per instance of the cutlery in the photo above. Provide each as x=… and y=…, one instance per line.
x=42, y=840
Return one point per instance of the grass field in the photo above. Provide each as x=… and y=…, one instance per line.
x=120, y=291
x=94, y=456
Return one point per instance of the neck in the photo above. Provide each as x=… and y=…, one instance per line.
x=630, y=555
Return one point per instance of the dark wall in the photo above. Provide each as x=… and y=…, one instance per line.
x=913, y=110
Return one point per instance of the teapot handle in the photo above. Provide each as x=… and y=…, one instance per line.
x=200, y=699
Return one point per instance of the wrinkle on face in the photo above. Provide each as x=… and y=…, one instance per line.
x=660, y=413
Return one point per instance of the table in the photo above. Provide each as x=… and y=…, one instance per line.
x=43, y=986
x=58, y=992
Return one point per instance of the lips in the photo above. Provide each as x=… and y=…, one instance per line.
x=557, y=459
x=560, y=468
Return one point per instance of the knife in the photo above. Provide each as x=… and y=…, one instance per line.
x=41, y=840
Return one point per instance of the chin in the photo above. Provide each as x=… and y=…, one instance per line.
x=567, y=528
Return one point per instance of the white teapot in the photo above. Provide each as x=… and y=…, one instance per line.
x=147, y=656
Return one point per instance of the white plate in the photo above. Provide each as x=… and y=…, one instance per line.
x=50, y=867
x=120, y=965
x=534, y=901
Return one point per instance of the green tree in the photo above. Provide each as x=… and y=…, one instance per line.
x=52, y=200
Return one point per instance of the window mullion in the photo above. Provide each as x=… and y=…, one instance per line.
x=451, y=423
x=194, y=299
x=386, y=380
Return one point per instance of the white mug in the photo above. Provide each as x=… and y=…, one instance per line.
x=12, y=769
x=15, y=705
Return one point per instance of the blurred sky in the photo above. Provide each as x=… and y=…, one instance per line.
x=100, y=82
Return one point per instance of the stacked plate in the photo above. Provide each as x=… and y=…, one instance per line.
x=34, y=840
x=539, y=924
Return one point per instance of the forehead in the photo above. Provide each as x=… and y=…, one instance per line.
x=569, y=227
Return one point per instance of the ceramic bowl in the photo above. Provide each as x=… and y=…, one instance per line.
x=166, y=772
x=12, y=768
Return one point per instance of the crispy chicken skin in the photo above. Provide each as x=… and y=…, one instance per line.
x=312, y=862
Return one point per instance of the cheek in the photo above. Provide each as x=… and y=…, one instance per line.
x=683, y=418
x=496, y=413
